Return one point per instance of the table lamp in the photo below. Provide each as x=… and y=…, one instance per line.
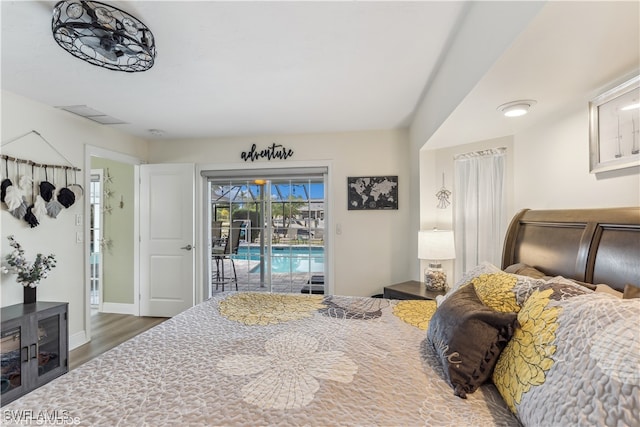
x=435, y=245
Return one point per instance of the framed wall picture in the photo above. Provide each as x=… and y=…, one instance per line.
x=614, y=123
x=372, y=192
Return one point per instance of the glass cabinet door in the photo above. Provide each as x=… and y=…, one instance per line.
x=11, y=357
x=33, y=347
x=48, y=344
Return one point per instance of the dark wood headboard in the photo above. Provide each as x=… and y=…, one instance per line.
x=589, y=245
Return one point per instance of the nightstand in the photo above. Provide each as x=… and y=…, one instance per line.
x=410, y=290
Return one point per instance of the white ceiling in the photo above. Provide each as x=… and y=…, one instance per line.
x=260, y=68
x=570, y=53
x=243, y=68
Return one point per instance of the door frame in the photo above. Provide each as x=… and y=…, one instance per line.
x=203, y=258
x=100, y=173
x=93, y=151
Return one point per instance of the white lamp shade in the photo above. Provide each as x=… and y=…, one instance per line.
x=436, y=244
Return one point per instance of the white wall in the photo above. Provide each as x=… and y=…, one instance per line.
x=433, y=163
x=552, y=168
x=476, y=44
x=370, y=253
x=372, y=250
x=68, y=134
x=479, y=41
x=547, y=168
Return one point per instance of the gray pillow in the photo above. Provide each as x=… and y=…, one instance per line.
x=525, y=270
x=468, y=338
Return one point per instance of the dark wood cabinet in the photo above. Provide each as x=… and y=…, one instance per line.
x=411, y=289
x=34, y=346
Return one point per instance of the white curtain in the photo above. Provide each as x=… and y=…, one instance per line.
x=479, y=208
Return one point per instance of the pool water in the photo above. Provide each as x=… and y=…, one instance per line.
x=287, y=259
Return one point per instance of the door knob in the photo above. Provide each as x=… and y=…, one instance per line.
x=188, y=247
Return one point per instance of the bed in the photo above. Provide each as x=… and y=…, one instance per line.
x=247, y=359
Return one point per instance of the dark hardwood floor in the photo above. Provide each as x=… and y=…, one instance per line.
x=107, y=331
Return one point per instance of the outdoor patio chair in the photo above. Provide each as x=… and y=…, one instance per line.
x=303, y=234
x=220, y=254
x=216, y=233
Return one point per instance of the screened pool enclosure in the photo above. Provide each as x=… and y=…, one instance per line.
x=267, y=234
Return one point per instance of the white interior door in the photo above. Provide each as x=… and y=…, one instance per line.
x=166, y=239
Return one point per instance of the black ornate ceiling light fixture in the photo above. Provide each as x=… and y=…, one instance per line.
x=103, y=35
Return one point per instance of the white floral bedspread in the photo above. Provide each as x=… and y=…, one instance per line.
x=247, y=359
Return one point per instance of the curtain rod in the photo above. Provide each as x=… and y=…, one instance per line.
x=481, y=153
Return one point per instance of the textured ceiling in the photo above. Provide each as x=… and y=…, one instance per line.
x=243, y=68
x=568, y=54
x=261, y=68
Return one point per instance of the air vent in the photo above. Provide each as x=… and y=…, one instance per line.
x=91, y=114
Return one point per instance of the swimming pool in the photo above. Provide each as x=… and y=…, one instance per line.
x=287, y=259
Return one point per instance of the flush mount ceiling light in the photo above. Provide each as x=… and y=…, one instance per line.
x=103, y=35
x=516, y=108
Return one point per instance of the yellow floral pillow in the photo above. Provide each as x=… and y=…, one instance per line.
x=573, y=360
x=495, y=290
x=527, y=357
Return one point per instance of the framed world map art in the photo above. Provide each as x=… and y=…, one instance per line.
x=372, y=192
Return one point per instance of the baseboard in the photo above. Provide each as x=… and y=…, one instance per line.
x=112, y=307
x=77, y=339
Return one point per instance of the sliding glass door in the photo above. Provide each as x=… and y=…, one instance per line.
x=267, y=232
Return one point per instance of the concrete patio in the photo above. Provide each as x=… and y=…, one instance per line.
x=250, y=281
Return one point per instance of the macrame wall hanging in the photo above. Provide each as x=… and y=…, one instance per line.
x=443, y=196
x=29, y=197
